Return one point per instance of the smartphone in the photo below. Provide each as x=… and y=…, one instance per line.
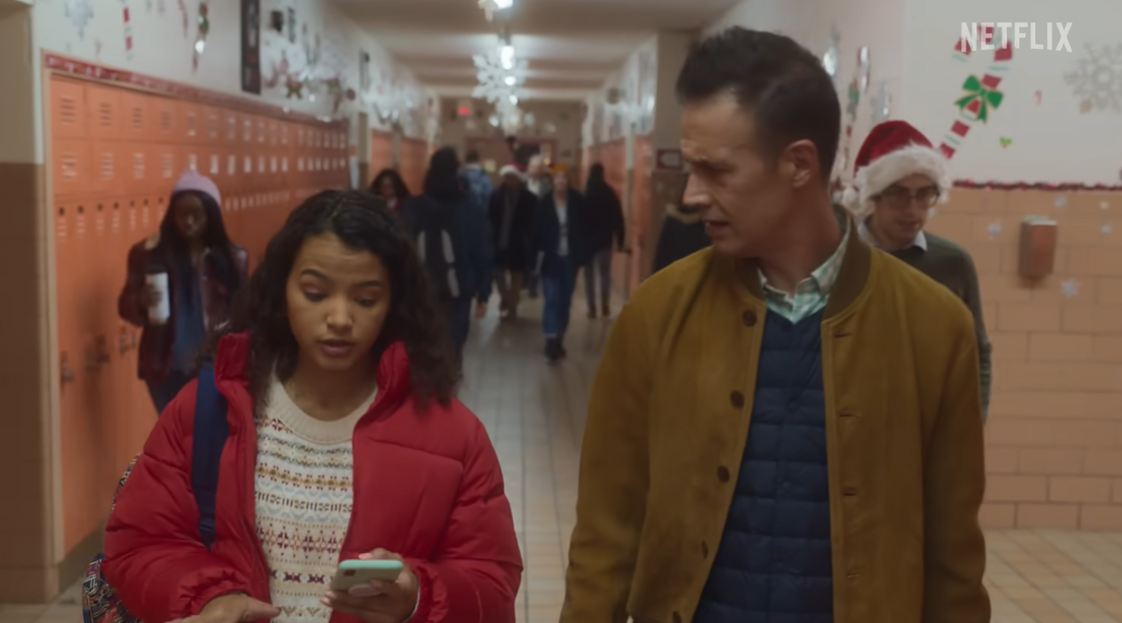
x=352, y=573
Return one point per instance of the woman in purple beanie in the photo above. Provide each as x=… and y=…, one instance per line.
x=181, y=281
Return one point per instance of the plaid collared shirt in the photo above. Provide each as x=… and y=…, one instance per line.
x=811, y=293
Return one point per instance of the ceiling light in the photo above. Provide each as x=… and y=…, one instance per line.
x=503, y=4
x=510, y=81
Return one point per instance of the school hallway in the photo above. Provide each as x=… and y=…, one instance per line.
x=535, y=412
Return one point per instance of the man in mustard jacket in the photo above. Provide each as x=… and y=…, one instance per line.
x=786, y=426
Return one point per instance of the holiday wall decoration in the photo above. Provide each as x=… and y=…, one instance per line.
x=1097, y=79
x=127, y=19
x=251, y=46
x=1005, y=141
x=881, y=104
x=863, y=68
x=830, y=57
x=980, y=94
x=182, y=4
x=200, y=36
x=79, y=12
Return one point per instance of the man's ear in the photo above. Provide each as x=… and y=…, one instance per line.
x=800, y=163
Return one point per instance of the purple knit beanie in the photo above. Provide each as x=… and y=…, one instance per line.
x=192, y=181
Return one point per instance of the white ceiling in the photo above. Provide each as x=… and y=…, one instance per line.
x=572, y=46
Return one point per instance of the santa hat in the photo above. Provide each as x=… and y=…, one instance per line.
x=192, y=181
x=510, y=169
x=892, y=151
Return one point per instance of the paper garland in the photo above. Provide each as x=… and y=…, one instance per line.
x=1063, y=186
x=981, y=94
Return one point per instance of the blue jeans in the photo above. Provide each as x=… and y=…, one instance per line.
x=162, y=393
x=459, y=324
x=557, y=287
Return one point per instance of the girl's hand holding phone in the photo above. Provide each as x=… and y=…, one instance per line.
x=379, y=601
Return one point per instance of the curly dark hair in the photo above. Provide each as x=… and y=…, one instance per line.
x=361, y=221
x=395, y=178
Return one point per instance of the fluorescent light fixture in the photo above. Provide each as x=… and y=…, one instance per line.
x=510, y=80
x=503, y=4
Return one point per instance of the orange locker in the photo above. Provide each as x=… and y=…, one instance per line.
x=72, y=169
x=107, y=166
x=68, y=110
x=104, y=113
x=193, y=123
x=136, y=113
x=163, y=117
x=168, y=158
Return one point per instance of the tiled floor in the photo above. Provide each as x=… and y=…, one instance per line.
x=535, y=414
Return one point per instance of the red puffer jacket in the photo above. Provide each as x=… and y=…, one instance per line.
x=427, y=485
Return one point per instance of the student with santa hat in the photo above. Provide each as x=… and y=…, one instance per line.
x=898, y=178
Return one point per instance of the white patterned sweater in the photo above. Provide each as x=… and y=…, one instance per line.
x=303, y=502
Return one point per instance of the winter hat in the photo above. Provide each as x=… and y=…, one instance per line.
x=892, y=151
x=192, y=181
x=510, y=169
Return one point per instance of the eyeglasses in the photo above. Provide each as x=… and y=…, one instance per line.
x=900, y=197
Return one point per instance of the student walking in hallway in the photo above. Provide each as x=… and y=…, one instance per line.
x=559, y=246
x=511, y=211
x=898, y=178
x=180, y=285
x=604, y=227
x=337, y=381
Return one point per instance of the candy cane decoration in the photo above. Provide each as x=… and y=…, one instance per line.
x=980, y=95
x=128, y=28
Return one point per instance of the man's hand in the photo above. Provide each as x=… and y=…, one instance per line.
x=233, y=609
x=379, y=602
x=480, y=310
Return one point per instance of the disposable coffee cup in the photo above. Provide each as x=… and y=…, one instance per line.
x=160, y=312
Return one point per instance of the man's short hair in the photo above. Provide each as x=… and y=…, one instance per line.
x=471, y=157
x=783, y=85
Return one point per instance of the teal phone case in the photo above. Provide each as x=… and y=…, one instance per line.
x=371, y=565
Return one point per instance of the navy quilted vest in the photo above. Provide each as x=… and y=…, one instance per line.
x=773, y=564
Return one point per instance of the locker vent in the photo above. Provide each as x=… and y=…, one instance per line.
x=138, y=165
x=138, y=118
x=231, y=128
x=247, y=130
x=69, y=166
x=214, y=124
x=105, y=114
x=67, y=110
x=193, y=162
x=107, y=167
x=191, y=124
x=165, y=120
x=167, y=166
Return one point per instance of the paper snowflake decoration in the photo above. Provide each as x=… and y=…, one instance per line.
x=994, y=230
x=1097, y=80
x=497, y=83
x=79, y=12
x=1069, y=288
x=882, y=104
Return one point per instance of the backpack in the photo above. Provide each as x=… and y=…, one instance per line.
x=436, y=244
x=100, y=603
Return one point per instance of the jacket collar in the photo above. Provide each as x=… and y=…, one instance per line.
x=852, y=276
x=392, y=374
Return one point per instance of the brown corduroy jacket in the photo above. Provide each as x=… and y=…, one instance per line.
x=668, y=419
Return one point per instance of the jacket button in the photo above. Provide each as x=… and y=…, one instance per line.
x=748, y=318
x=723, y=474
x=737, y=399
x=704, y=550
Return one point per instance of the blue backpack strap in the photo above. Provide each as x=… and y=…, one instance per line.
x=210, y=434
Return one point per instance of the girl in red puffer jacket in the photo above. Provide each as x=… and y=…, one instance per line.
x=344, y=442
